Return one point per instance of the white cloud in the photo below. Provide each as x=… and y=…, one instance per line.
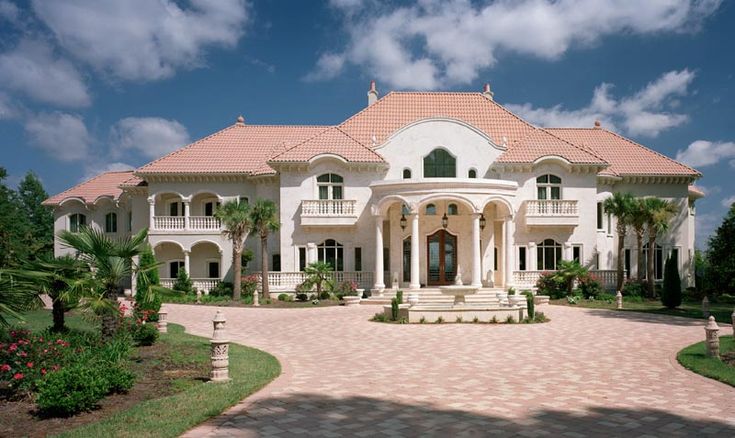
x=94, y=170
x=645, y=113
x=727, y=202
x=434, y=43
x=8, y=109
x=328, y=66
x=150, y=136
x=706, y=153
x=63, y=136
x=705, y=226
x=143, y=39
x=34, y=70
x=9, y=11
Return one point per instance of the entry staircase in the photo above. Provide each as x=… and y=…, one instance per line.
x=432, y=295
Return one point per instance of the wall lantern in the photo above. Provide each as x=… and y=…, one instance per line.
x=403, y=222
x=445, y=221
x=483, y=222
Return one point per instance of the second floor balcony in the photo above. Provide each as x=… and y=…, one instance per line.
x=186, y=223
x=328, y=212
x=552, y=212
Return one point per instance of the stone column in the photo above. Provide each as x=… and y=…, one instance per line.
x=567, y=251
x=186, y=263
x=415, y=278
x=186, y=214
x=476, y=262
x=491, y=255
x=532, y=257
x=311, y=253
x=379, y=285
x=712, y=338
x=220, y=350
x=151, y=212
x=509, y=231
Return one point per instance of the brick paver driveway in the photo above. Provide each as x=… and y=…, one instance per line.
x=586, y=373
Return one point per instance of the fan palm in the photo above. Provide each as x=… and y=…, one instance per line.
x=235, y=218
x=568, y=271
x=316, y=274
x=660, y=212
x=17, y=295
x=263, y=221
x=638, y=219
x=620, y=205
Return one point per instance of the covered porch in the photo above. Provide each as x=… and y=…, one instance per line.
x=202, y=261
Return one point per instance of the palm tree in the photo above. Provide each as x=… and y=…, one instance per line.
x=316, y=274
x=660, y=212
x=638, y=219
x=263, y=221
x=568, y=271
x=17, y=295
x=620, y=205
x=111, y=262
x=235, y=217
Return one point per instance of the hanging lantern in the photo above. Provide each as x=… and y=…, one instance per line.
x=403, y=222
x=483, y=222
x=445, y=221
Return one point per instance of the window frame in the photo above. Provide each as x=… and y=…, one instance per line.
x=557, y=252
x=332, y=245
x=472, y=173
x=180, y=264
x=407, y=171
x=75, y=224
x=209, y=263
x=452, y=209
x=545, y=184
x=334, y=180
x=439, y=163
x=111, y=224
x=433, y=209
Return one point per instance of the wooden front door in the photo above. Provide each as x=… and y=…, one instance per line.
x=442, y=258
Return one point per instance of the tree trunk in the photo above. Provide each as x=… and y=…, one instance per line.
x=110, y=318
x=651, y=268
x=264, y=265
x=621, y=246
x=639, y=259
x=57, y=311
x=236, y=274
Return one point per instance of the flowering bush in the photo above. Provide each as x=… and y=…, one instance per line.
x=138, y=326
x=250, y=284
x=25, y=359
x=589, y=285
x=348, y=288
x=549, y=284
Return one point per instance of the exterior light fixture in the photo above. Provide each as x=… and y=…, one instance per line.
x=483, y=222
x=445, y=221
x=403, y=221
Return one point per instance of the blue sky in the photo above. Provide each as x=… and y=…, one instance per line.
x=90, y=85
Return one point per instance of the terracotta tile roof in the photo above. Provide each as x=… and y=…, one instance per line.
x=134, y=181
x=239, y=148
x=625, y=156
x=541, y=143
x=332, y=141
x=398, y=108
x=105, y=184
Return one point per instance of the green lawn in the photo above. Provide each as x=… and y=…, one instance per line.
x=721, y=312
x=37, y=320
x=693, y=358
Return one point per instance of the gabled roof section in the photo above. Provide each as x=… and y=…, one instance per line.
x=103, y=185
x=237, y=149
x=625, y=156
x=332, y=141
x=541, y=143
x=374, y=125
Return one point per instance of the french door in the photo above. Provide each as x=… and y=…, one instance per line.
x=442, y=260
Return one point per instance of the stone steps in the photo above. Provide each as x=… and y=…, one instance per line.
x=484, y=296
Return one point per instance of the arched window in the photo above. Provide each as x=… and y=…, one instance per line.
x=472, y=173
x=430, y=210
x=330, y=186
x=406, y=173
x=548, y=187
x=452, y=210
x=77, y=221
x=111, y=223
x=332, y=252
x=548, y=254
x=658, y=262
x=440, y=164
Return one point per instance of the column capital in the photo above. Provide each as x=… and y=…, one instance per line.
x=187, y=252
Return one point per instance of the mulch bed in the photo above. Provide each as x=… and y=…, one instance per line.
x=155, y=377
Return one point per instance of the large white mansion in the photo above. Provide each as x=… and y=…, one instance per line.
x=400, y=194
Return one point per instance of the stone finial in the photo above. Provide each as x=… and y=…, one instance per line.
x=487, y=92
x=458, y=278
x=240, y=120
x=597, y=124
x=372, y=93
x=199, y=297
x=220, y=350
x=711, y=337
x=705, y=307
x=162, y=320
x=619, y=300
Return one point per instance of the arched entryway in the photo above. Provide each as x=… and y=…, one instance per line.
x=441, y=260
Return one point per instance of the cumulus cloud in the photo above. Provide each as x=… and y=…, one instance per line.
x=152, y=137
x=9, y=11
x=434, y=43
x=8, y=108
x=646, y=113
x=32, y=69
x=61, y=135
x=703, y=153
x=727, y=202
x=143, y=39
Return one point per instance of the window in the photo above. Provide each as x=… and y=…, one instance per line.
x=173, y=268
x=176, y=208
x=658, y=262
x=452, y=210
x=332, y=252
x=596, y=260
x=302, y=259
x=406, y=173
x=548, y=254
x=440, y=164
x=330, y=186
x=431, y=210
x=548, y=187
x=599, y=216
x=276, y=262
x=626, y=263
x=521, y=258
x=577, y=253
x=130, y=221
x=77, y=221
x=609, y=224
x=358, y=259
x=472, y=173
x=111, y=223
x=210, y=207
x=495, y=258
x=213, y=269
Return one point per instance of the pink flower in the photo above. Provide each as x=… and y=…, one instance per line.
x=18, y=376
x=13, y=347
x=43, y=371
x=29, y=364
x=5, y=367
x=22, y=354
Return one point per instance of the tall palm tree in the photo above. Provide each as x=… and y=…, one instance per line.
x=660, y=212
x=638, y=220
x=263, y=221
x=620, y=205
x=235, y=218
x=111, y=262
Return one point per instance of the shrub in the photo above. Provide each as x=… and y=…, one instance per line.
x=145, y=334
x=589, y=286
x=633, y=299
x=671, y=294
x=475, y=320
x=73, y=389
x=394, y=309
x=573, y=299
x=147, y=302
x=510, y=319
x=540, y=317
x=324, y=295
x=183, y=283
x=494, y=320
x=608, y=298
x=399, y=296
x=531, y=306
x=634, y=289
x=347, y=288
x=284, y=297
x=249, y=285
x=223, y=289
x=726, y=299
x=458, y=319
x=422, y=320
x=549, y=284
x=379, y=317
x=119, y=379
x=511, y=291
x=439, y=320
x=302, y=297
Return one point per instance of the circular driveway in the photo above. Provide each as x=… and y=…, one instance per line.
x=585, y=373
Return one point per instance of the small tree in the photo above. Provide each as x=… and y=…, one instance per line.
x=621, y=206
x=660, y=212
x=720, y=273
x=263, y=221
x=317, y=274
x=671, y=294
x=235, y=218
x=183, y=282
x=568, y=272
x=146, y=297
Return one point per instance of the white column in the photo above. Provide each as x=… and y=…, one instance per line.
x=221, y=265
x=379, y=285
x=415, y=278
x=509, y=231
x=186, y=263
x=491, y=254
x=476, y=262
x=151, y=212
x=186, y=214
x=567, y=251
x=532, y=257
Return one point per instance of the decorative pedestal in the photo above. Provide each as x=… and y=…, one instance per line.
x=713, y=340
x=220, y=350
x=619, y=300
x=162, y=320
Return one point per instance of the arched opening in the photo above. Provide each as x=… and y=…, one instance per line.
x=330, y=186
x=171, y=258
x=472, y=173
x=452, y=209
x=206, y=259
x=548, y=254
x=406, y=173
x=431, y=209
x=441, y=263
x=332, y=252
x=440, y=164
x=548, y=187
x=204, y=204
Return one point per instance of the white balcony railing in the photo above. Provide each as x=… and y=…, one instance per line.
x=204, y=223
x=287, y=281
x=527, y=279
x=196, y=223
x=201, y=284
x=552, y=207
x=328, y=212
x=167, y=223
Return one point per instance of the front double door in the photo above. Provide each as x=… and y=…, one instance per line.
x=442, y=258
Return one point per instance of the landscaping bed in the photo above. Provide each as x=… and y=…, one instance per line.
x=694, y=358
x=210, y=300
x=688, y=309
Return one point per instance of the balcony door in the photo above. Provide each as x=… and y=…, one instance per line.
x=442, y=258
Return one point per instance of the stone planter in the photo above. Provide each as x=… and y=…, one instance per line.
x=413, y=299
x=350, y=300
x=517, y=300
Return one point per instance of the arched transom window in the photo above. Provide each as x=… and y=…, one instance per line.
x=406, y=173
x=332, y=252
x=440, y=164
x=548, y=187
x=330, y=186
x=452, y=210
x=430, y=209
x=548, y=254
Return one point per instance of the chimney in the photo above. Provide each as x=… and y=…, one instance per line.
x=372, y=94
x=486, y=91
x=240, y=120
x=597, y=124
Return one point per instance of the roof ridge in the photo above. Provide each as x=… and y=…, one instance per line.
x=582, y=148
x=300, y=143
x=364, y=146
x=651, y=150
